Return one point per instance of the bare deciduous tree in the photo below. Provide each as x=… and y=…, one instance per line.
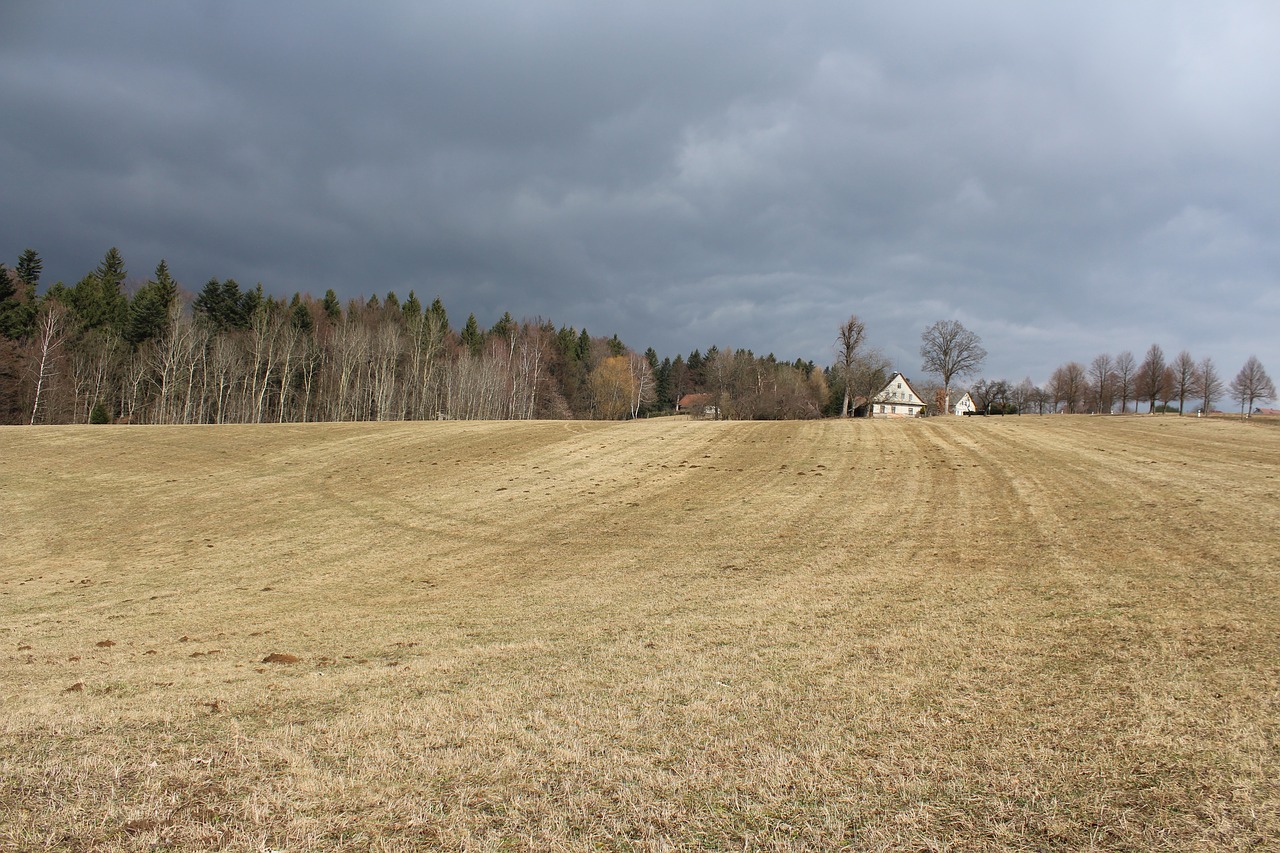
x=1151, y=377
x=948, y=349
x=1068, y=385
x=1208, y=383
x=1252, y=385
x=1102, y=374
x=848, y=342
x=1126, y=369
x=1184, y=378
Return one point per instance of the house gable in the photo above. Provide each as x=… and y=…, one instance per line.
x=897, y=400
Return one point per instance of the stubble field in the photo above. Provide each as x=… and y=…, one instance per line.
x=1034, y=633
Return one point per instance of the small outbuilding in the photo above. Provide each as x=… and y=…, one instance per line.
x=964, y=405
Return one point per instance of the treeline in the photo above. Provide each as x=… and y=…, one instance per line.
x=97, y=352
x=1115, y=383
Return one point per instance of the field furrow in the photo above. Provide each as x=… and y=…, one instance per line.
x=1019, y=633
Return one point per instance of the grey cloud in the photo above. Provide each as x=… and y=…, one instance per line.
x=1065, y=180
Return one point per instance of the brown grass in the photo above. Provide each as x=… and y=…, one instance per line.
x=1048, y=633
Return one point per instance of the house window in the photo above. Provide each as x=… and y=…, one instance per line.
x=895, y=410
x=882, y=408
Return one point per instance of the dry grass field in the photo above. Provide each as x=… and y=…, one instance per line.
x=951, y=634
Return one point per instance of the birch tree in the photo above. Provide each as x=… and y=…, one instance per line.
x=51, y=333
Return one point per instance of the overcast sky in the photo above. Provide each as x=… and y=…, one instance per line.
x=1063, y=178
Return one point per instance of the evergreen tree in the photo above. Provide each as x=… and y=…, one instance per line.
x=567, y=342
x=373, y=304
x=17, y=305
x=149, y=309
x=223, y=306
x=411, y=307
x=98, y=299
x=697, y=377
x=111, y=272
x=392, y=302
x=616, y=346
x=662, y=379
x=249, y=305
x=332, y=307
x=439, y=314
x=472, y=339
x=582, y=353
x=505, y=327
x=30, y=267
x=208, y=303
x=300, y=315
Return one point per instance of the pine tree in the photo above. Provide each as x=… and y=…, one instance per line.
x=504, y=328
x=224, y=307
x=300, y=315
x=411, y=307
x=662, y=377
x=98, y=299
x=18, y=302
x=332, y=307
x=209, y=303
x=567, y=341
x=149, y=309
x=250, y=302
x=17, y=315
x=30, y=267
x=438, y=312
x=616, y=346
x=472, y=339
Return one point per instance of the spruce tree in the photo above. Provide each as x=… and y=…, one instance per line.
x=98, y=299
x=9, y=304
x=300, y=315
x=505, y=327
x=567, y=341
x=472, y=339
x=662, y=384
x=149, y=309
x=439, y=314
x=332, y=307
x=30, y=267
x=209, y=303
x=249, y=305
x=411, y=307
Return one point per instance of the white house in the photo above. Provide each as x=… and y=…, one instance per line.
x=897, y=400
x=964, y=405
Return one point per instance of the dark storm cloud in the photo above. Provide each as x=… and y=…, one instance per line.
x=1064, y=180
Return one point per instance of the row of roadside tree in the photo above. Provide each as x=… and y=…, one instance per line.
x=1121, y=383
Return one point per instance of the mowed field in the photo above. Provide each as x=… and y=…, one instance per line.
x=1018, y=633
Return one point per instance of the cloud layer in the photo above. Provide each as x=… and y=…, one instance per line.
x=1065, y=180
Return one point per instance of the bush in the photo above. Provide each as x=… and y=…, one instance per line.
x=99, y=415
